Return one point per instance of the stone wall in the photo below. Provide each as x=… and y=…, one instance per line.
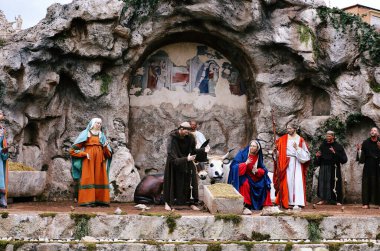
x=159, y=246
x=187, y=228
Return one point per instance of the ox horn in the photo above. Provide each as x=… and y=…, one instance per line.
x=226, y=156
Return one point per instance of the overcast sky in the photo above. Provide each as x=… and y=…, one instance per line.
x=32, y=11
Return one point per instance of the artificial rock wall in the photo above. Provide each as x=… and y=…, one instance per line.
x=89, y=58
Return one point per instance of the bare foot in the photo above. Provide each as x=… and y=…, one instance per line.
x=195, y=208
x=365, y=207
x=297, y=208
x=246, y=211
x=167, y=207
x=322, y=202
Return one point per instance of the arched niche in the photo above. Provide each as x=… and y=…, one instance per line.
x=189, y=73
x=352, y=171
x=31, y=134
x=186, y=81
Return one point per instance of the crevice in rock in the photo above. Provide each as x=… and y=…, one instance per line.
x=78, y=28
x=31, y=134
x=2, y=92
x=45, y=167
x=18, y=75
x=68, y=89
x=321, y=102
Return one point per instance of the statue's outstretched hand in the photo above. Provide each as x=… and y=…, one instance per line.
x=207, y=149
x=190, y=157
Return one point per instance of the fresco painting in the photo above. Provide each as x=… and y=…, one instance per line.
x=201, y=73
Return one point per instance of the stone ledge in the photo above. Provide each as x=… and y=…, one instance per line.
x=186, y=228
x=248, y=246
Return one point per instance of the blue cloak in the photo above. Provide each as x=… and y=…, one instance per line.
x=258, y=189
x=203, y=86
x=3, y=165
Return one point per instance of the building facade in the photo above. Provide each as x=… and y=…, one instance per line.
x=368, y=14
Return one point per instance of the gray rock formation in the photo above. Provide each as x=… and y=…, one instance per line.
x=26, y=183
x=79, y=62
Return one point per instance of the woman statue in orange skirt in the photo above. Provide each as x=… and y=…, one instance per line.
x=3, y=164
x=91, y=158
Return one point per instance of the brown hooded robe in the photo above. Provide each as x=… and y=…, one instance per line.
x=180, y=173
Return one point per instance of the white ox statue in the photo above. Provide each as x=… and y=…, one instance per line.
x=218, y=169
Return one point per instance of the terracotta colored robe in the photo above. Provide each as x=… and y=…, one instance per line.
x=94, y=182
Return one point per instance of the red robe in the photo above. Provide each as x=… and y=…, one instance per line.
x=279, y=175
x=244, y=189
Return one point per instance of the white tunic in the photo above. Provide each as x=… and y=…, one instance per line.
x=200, y=139
x=294, y=170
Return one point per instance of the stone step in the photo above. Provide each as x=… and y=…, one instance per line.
x=211, y=246
x=165, y=227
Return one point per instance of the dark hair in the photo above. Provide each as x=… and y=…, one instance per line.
x=293, y=125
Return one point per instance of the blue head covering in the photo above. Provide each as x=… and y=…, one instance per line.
x=77, y=162
x=258, y=189
x=84, y=134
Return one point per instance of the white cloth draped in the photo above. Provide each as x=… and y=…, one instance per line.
x=294, y=170
x=200, y=139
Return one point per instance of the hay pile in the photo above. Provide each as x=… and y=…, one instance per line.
x=17, y=166
x=222, y=190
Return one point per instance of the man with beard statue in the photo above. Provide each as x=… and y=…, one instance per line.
x=369, y=154
x=180, y=179
x=329, y=158
x=289, y=175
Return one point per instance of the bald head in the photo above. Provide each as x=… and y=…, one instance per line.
x=374, y=132
x=194, y=125
x=330, y=136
